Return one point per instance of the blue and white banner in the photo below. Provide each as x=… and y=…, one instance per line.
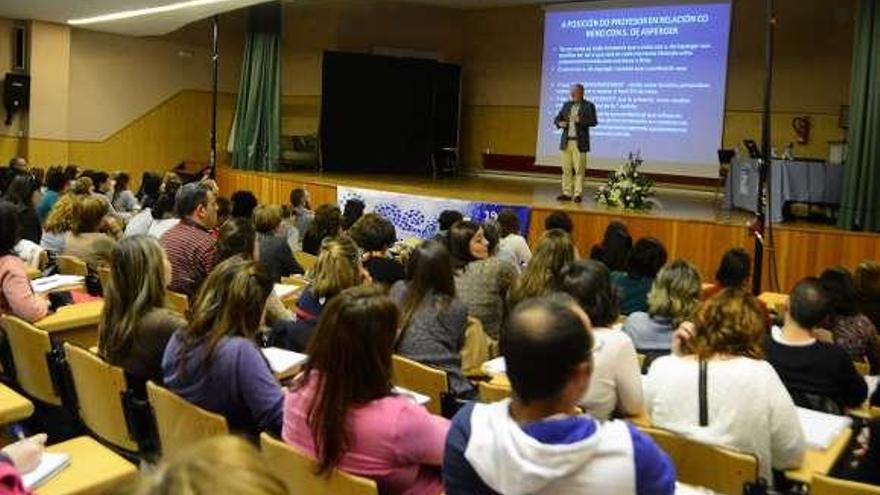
x=416, y=216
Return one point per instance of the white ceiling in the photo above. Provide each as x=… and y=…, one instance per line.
x=61, y=11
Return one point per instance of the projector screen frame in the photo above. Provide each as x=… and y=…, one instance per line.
x=664, y=168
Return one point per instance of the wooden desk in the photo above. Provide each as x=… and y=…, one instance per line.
x=820, y=461
x=13, y=406
x=77, y=324
x=93, y=469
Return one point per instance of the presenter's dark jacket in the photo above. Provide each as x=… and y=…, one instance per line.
x=587, y=114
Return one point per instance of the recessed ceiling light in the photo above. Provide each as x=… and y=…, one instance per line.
x=128, y=14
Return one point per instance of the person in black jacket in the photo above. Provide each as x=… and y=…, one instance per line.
x=818, y=375
x=374, y=234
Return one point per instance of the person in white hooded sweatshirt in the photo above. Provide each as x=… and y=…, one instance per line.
x=536, y=443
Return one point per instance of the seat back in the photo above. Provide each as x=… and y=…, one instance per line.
x=298, y=472
x=826, y=485
x=181, y=423
x=71, y=265
x=100, y=388
x=422, y=379
x=306, y=261
x=493, y=393
x=476, y=348
x=177, y=302
x=863, y=367
x=30, y=348
x=708, y=466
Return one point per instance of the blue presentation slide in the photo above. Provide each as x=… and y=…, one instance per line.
x=656, y=74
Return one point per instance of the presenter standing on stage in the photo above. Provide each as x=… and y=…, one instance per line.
x=575, y=119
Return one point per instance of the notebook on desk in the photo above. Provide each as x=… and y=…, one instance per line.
x=48, y=284
x=821, y=429
x=420, y=399
x=50, y=465
x=283, y=291
x=282, y=361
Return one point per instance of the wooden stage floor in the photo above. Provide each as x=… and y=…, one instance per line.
x=690, y=222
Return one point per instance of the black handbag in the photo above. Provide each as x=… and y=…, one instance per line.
x=757, y=487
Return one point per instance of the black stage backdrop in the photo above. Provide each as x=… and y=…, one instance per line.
x=387, y=114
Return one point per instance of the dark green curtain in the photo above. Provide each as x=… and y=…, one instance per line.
x=860, y=207
x=257, y=125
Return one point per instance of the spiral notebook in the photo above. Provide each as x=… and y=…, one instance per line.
x=50, y=465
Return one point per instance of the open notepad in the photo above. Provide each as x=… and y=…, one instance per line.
x=47, y=284
x=281, y=361
x=821, y=429
x=495, y=366
x=50, y=465
x=282, y=291
x=420, y=399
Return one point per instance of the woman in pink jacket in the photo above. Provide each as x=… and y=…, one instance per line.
x=16, y=296
x=344, y=412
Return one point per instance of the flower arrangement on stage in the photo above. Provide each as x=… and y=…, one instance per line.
x=626, y=187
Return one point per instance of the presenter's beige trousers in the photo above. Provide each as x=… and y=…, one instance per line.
x=574, y=165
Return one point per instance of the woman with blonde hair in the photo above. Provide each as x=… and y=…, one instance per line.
x=673, y=298
x=224, y=465
x=338, y=268
x=215, y=363
x=542, y=276
x=85, y=241
x=745, y=405
x=135, y=326
x=58, y=225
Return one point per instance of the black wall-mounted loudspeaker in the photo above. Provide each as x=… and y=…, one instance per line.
x=16, y=94
x=19, y=48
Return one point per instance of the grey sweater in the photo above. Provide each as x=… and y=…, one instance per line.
x=435, y=335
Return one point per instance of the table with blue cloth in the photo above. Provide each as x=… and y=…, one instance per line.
x=812, y=182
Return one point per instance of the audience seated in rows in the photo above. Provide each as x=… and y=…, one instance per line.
x=615, y=247
x=553, y=252
x=513, y=246
x=559, y=220
x=673, y=299
x=189, y=245
x=537, y=442
x=215, y=363
x=818, y=375
x=433, y=320
x=301, y=212
x=243, y=204
x=135, y=327
x=58, y=224
x=851, y=329
x=352, y=212
x=615, y=382
x=122, y=199
x=338, y=267
x=374, y=235
x=86, y=241
x=274, y=251
x=445, y=221
x=646, y=258
x=747, y=406
x=326, y=222
x=56, y=186
x=342, y=409
x=481, y=281
x=16, y=295
x=24, y=193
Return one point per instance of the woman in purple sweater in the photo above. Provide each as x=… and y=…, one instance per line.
x=215, y=363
